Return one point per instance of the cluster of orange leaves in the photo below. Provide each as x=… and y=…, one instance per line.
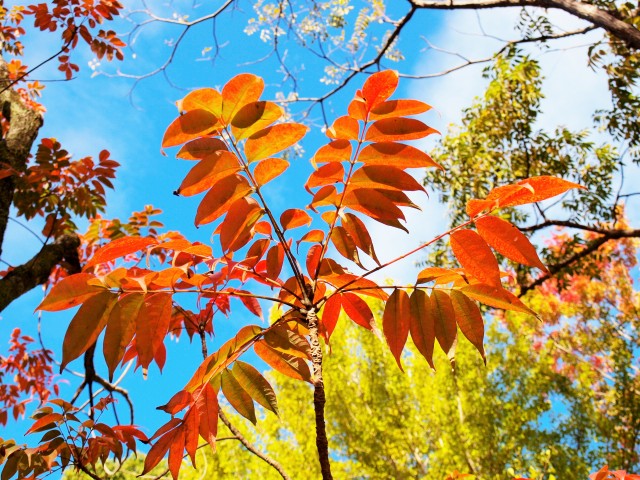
x=233, y=137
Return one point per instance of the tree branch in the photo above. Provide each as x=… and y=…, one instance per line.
x=37, y=270
x=597, y=16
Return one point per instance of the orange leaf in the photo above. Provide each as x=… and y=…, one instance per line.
x=336, y=151
x=374, y=204
x=293, y=218
x=238, y=396
x=255, y=385
x=208, y=171
x=254, y=116
x=507, y=240
x=529, y=190
x=45, y=420
x=469, y=320
x=120, y=329
x=327, y=195
x=397, y=154
x=358, y=109
x=208, y=408
x=284, y=340
x=175, y=451
x=358, y=310
x=476, y=257
x=236, y=228
x=384, y=178
x=200, y=148
x=345, y=245
x=393, y=129
x=288, y=365
x=331, y=314
x=178, y=402
x=191, y=432
x=496, y=297
x=395, y=323
x=238, y=92
x=442, y=275
x=312, y=236
x=422, y=324
x=269, y=169
x=398, y=108
x=69, y=292
x=270, y=140
x=191, y=125
x=86, y=325
x=445, y=322
x=119, y=248
x=222, y=194
x=152, y=326
x=344, y=128
x=379, y=86
x=275, y=260
x=328, y=174
x=360, y=235
x=313, y=258
x=159, y=450
x=204, y=99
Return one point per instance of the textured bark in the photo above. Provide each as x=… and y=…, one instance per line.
x=37, y=270
x=16, y=145
x=319, y=400
x=599, y=17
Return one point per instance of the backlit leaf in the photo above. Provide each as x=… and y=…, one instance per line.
x=445, y=322
x=119, y=248
x=357, y=310
x=152, y=326
x=86, y=325
x=393, y=129
x=253, y=117
x=208, y=408
x=379, y=86
x=496, y=297
x=236, y=228
x=205, y=99
x=238, y=396
x=398, y=108
x=269, y=169
x=69, y=292
x=345, y=245
x=374, y=204
x=395, y=323
x=327, y=195
x=328, y=174
x=255, y=385
x=191, y=125
x=330, y=314
x=360, y=235
x=120, y=329
x=238, y=92
x=275, y=260
x=344, y=128
x=383, y=178
x=216, y=202
x=336, y=151
x=293, y=218
x=422, y=324
x=177, y=403
x=288, y=365
x=475, y=256
x=160, y=449
x=200, y=148
x=208, y=171
x=271, y=140
x=396, y=154
x=469, y=320
x=507, y=240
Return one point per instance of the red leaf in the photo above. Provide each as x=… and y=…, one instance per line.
x=360, y=235
x=330, y=315
x=422, y=324
x=218, y=200
x=345, y=245
x=69, y=292
x=208, y=408
x=271, y=140
x=159, y=450
x=476, y=257
x=294, y=218
x=152, y=326
x=275, y=260
x=395, y=323
x=469, y=320
x=445, y=322
x=358, y=310
x=44, y=421
x=120, y=329
x=251, y=303
x=191, y=125
x=119, y=248
x=86, y=325
x=269, y=169
x=397, y=154
x=393, y=129
x=379, y=86
x=175, y=451
x=507, y=240
x=178, y=402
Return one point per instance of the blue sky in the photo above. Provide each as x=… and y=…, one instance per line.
x=92, y=113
